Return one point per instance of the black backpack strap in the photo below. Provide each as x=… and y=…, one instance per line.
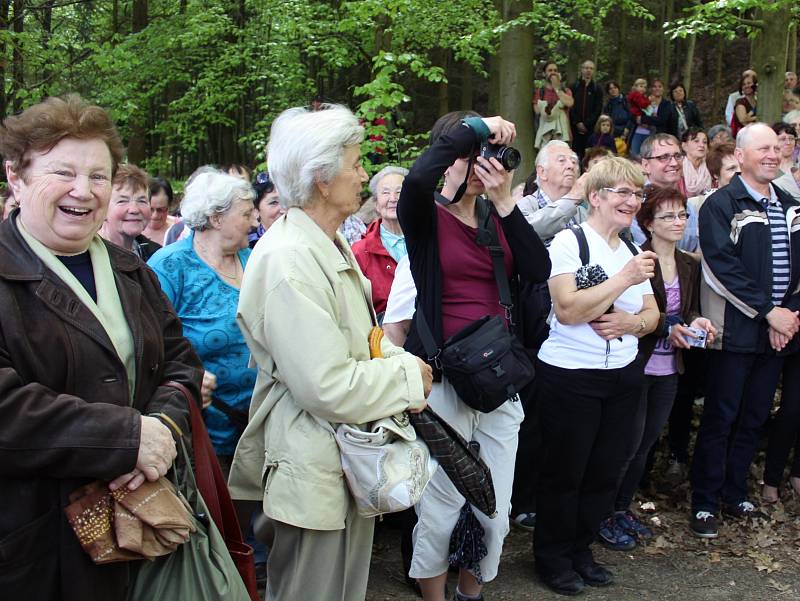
x=629, y=243
x=487, y=236
x=583, y=244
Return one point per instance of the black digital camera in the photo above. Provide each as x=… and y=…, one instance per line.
x=509, y=157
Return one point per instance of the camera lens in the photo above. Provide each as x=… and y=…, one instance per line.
x=509, y=158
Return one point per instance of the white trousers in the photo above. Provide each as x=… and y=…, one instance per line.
x=439, y=507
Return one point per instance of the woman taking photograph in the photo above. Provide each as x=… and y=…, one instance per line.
x=587, y=377
x=201, y=275
x=456, y=286
x=676, y=286
x=87, y=341
x=306, y=316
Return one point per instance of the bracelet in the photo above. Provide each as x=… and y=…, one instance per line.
x=642, y=326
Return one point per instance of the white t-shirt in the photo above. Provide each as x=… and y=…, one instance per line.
x=578, y=346
x=403, y=294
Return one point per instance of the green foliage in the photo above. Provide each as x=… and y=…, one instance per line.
x=203, y=83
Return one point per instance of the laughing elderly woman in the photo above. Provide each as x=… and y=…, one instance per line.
x=87, y=341
x=305, y=314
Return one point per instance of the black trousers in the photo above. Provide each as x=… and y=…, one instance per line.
x=784, y=434
x=586, y=418
x=691, y=385
x=526, y=468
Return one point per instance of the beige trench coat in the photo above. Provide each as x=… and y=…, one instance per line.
x=304, y=314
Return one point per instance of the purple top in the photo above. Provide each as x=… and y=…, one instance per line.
x=469, y=290
x=663, y=360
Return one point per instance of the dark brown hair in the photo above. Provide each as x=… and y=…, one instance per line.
x=448, y=122
x=132, y=176
x=654, y=198
x=40, y=127
x=715, y=156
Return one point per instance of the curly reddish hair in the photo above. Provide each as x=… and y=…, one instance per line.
x=654, y=198
x=40, y=127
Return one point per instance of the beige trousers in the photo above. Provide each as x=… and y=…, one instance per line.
x=320, y=565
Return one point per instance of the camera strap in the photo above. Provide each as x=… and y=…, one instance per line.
x=463, y=187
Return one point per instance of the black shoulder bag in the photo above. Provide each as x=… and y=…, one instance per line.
x=485, y=362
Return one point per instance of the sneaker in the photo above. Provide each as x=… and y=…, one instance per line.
x=460, y=597
x=704, y=525
x=744, y=509
x=614, y=537
x=526, y=521
x=632, y=525
x=676, y=472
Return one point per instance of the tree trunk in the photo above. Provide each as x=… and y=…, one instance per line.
x=769, y=59
x=791, y=55
x=515, y=57
x=442, y=57
x=688, y=62
x=4, y=6
x=666, y=66
x=494, y=84
x=622, y=54
x=17, y=64
x=467, y=88
x=717, y=107
x=138, y=131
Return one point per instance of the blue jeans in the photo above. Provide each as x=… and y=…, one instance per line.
x=658, y=394
x=739, y=395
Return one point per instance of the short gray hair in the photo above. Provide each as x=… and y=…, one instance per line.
x=744, y=134
x=544, y=154
x=714, y=130
x=306, y=147
x=212, y=193
x=389, y=170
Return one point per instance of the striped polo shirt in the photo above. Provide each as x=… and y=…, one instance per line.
x=781, y=264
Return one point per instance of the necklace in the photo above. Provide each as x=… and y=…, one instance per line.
x=235, y=275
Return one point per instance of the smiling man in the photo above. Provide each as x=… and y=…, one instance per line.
x=750, y=239
x=129, y=211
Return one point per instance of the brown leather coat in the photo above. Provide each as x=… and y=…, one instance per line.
x=65, y=419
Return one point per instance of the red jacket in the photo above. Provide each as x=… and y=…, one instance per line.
x=376, y=263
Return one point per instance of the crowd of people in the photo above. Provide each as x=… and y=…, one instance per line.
x=651, y=262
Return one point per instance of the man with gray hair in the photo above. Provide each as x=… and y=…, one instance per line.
x=555, y=204
x=750, y=240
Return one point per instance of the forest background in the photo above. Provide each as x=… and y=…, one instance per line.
x=191, y=82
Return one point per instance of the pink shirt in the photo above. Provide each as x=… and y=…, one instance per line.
x=469, y=290
x=663, y=360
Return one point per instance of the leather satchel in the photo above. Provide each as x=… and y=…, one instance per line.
x=125, y=525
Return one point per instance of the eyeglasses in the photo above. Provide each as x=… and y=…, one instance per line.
x=626, y=193
x=665, y=158
x=671, y=217
x=787, y=139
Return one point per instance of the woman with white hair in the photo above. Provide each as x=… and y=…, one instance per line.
x=201, y=275
x=379, y=251
x=306, y=315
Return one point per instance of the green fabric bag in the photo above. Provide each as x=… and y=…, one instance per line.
x=199, y=569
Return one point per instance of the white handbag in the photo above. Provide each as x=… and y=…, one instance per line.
x=385, y=465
